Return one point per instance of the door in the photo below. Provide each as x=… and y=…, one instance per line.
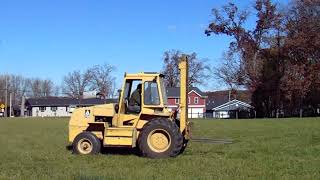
x=195, y=113
x=124, y=114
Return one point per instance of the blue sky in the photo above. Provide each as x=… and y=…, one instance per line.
x=49, y=38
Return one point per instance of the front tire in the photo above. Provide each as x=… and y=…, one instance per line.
x=86, y=143
x=160, y=138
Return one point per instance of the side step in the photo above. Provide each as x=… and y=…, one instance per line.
x=122, y=136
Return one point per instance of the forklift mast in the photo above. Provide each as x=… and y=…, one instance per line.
x=183, y=67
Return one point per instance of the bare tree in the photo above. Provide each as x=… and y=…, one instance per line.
x=47, y=88
x=56, y=90
x=76, y=83
x=228, y=72
x=198, y=69
x=41, y=88
x=26, y=87
x=36, y=88
x=18, y=87
x=170, y=67
x=102, y=79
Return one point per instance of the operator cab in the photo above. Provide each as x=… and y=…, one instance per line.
x=142, y=90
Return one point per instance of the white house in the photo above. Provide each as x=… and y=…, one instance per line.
x=59, y=106
x=231, y=109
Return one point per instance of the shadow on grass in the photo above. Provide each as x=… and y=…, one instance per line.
x=114, y=150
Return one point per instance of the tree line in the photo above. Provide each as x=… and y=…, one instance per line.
x=20, y=86
x=278, y=59
x=99, y=78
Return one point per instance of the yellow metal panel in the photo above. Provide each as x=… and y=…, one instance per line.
x=104, y=110
x=156, y=111
x=141, y=123
x=123, y=132
x=146, y=110
x=79, y=122
x=74, y=131
x=117, y=141
x=126, y=117
x=116, y=121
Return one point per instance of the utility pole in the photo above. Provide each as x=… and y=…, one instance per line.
x=6, y=98
x=10, y=105
x=22, y=106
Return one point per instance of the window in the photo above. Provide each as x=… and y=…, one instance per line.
x=42, y=109
x=196, y=100
x=164, y=92
x=54, y=108
x=151, y=93
x=177, y=100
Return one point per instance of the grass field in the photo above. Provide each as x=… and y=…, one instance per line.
x=263, y=149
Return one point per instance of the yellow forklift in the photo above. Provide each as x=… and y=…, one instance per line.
x=150, y=126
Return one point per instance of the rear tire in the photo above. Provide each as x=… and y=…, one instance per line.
x=160, y=138
x=86, y=143
x=184, y=145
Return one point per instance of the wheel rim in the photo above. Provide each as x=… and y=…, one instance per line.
x=85, y=146
x=159, y=140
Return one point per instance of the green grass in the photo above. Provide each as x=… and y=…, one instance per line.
x=263, y=149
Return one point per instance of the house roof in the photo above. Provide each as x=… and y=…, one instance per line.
x=219, y=98
x=66, y=101
x=215, y=101
x=233, y=105
x=175, y=91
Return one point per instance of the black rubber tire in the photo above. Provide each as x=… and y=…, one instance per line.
x=174, y=133
x=184, y=145
x=95, y=142
x=185, y=142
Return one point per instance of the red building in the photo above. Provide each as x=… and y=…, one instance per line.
x=196, y=98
